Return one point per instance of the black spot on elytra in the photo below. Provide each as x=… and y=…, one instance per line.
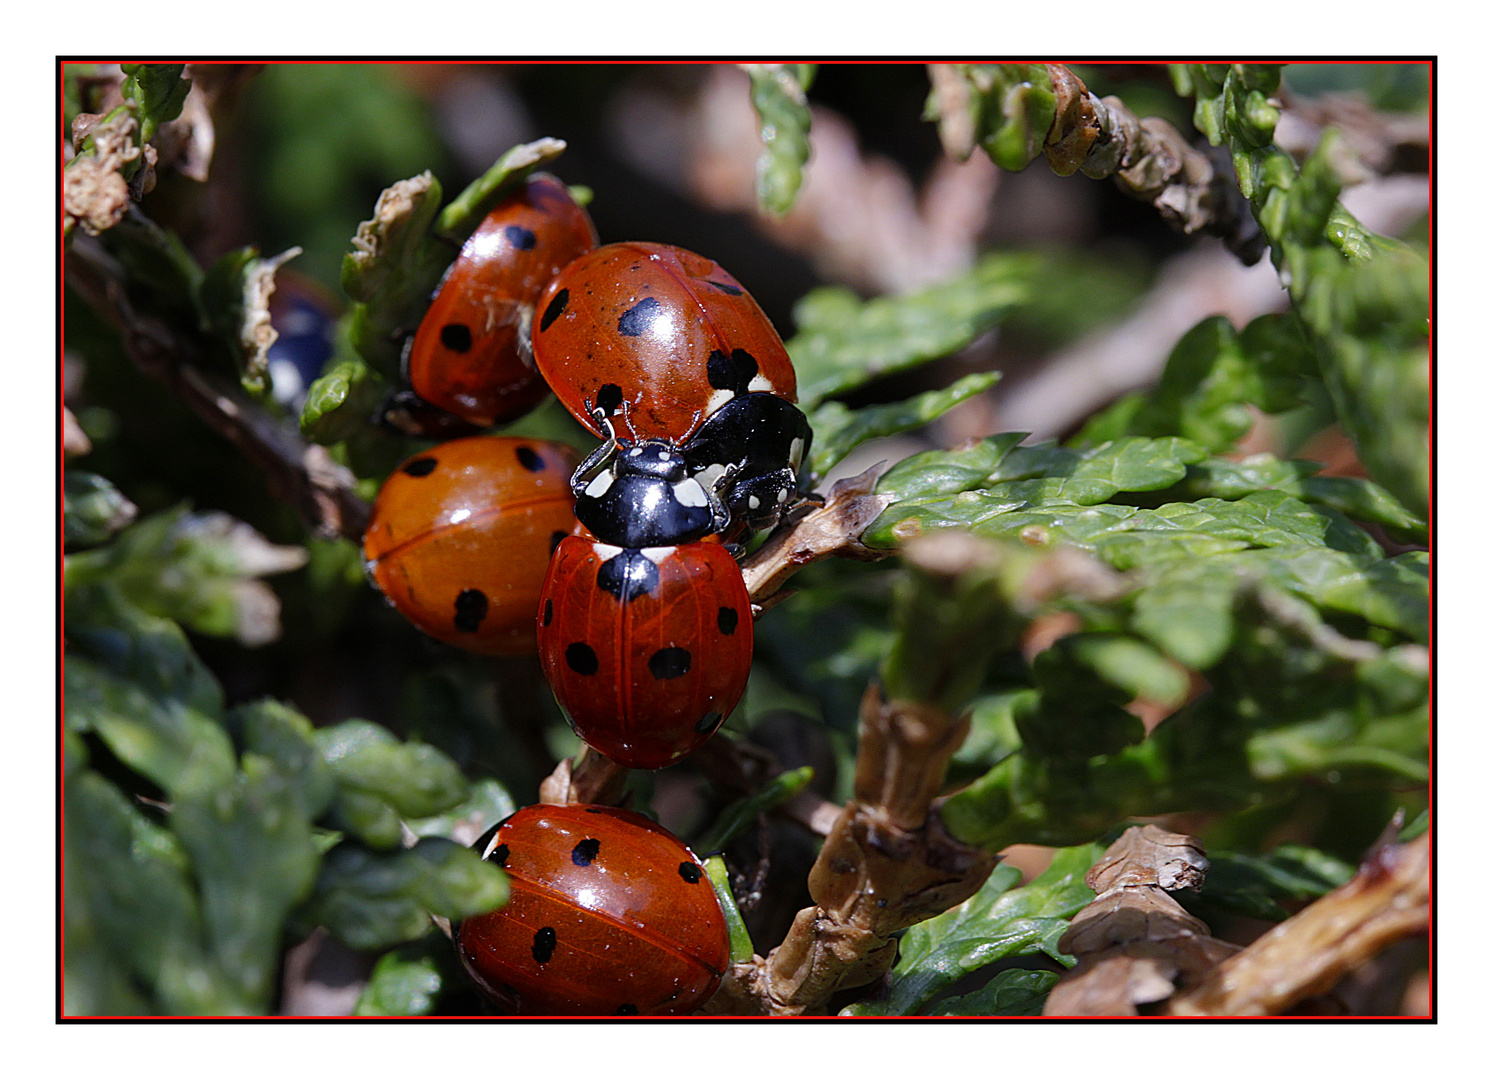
x=520, y=237
x=690, y=872
x=554, y=309
x=733, y=372
x=628, y=575
x=421, y=466
x=530, y=459
x=627, y=1010
x=726, y=618
x=581, y=658
x=725, y=287
x=499, y=855
x=456, y=337
x=584, y=853
x=544, y=944
x=471, y=609
x=596, y=810
x=549, y=613
x=636, y=320
x=555, y=538
x=708, y=723
x=669, y=662
x=609, y=398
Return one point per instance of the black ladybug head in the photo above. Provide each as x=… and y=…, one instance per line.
x=645, y=497
x=651, y=457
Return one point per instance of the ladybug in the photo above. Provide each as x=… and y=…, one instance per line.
x=739, y=470
x=750, y=451
x=608, y=915
x=461, y=534
x=470, y=355
x=647, y=649
x=643, y=495
x=654, y=339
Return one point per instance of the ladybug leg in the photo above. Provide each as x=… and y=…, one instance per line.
x=599, y=459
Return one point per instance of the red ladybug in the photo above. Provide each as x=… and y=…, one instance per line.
x=470, y=355
x=654, y=339
x=648, y=650
x=461, y=534
x=608, y=915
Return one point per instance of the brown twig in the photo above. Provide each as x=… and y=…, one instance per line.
x=886, y=865
x=1387, y=900
x=300, y=473
x=1147, y=157
x=832, y=529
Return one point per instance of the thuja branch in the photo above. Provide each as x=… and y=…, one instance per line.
x=298, y=472
x=1018, y=111
x=888, y=862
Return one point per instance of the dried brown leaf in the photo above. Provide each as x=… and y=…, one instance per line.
x=1135, y=944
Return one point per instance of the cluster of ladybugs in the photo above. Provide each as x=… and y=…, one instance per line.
x=620, y=571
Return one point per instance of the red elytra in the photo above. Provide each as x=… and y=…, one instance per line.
x=655, y=337
x=608, y=915
x=470, y=355
x=460, y=538
x=648, y=651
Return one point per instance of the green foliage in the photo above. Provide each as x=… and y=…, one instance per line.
x=1252, y=885
x=1249, y=589
x=376, y=901
x=1363, y=300
x=404, y=982
x=783, y=113
x=183, y=906
x=1009, y=108
x=844, y=342
x=198, y=569
x=158, y=91
x=1000, y=922
x=92, y=510
x=1211, y=380
x=839, y=430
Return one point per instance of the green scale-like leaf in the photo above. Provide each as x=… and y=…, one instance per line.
x=382, y=780
x=844, y=342
x=377, y=900
x=254, y=858
x=131, y=678
x=404, y=982
x=783, y=117
x=998, y=922
x=839, y=430
x=1363, y=300
x=93, y=509
x=133, y=921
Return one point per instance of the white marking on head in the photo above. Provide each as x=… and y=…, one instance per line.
x=605, y=551
x=782, y=495
x=759, y=383
x=656, y=555
x=689, y=492
x=598, y=487
x=796, y=454
x=717, y=399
